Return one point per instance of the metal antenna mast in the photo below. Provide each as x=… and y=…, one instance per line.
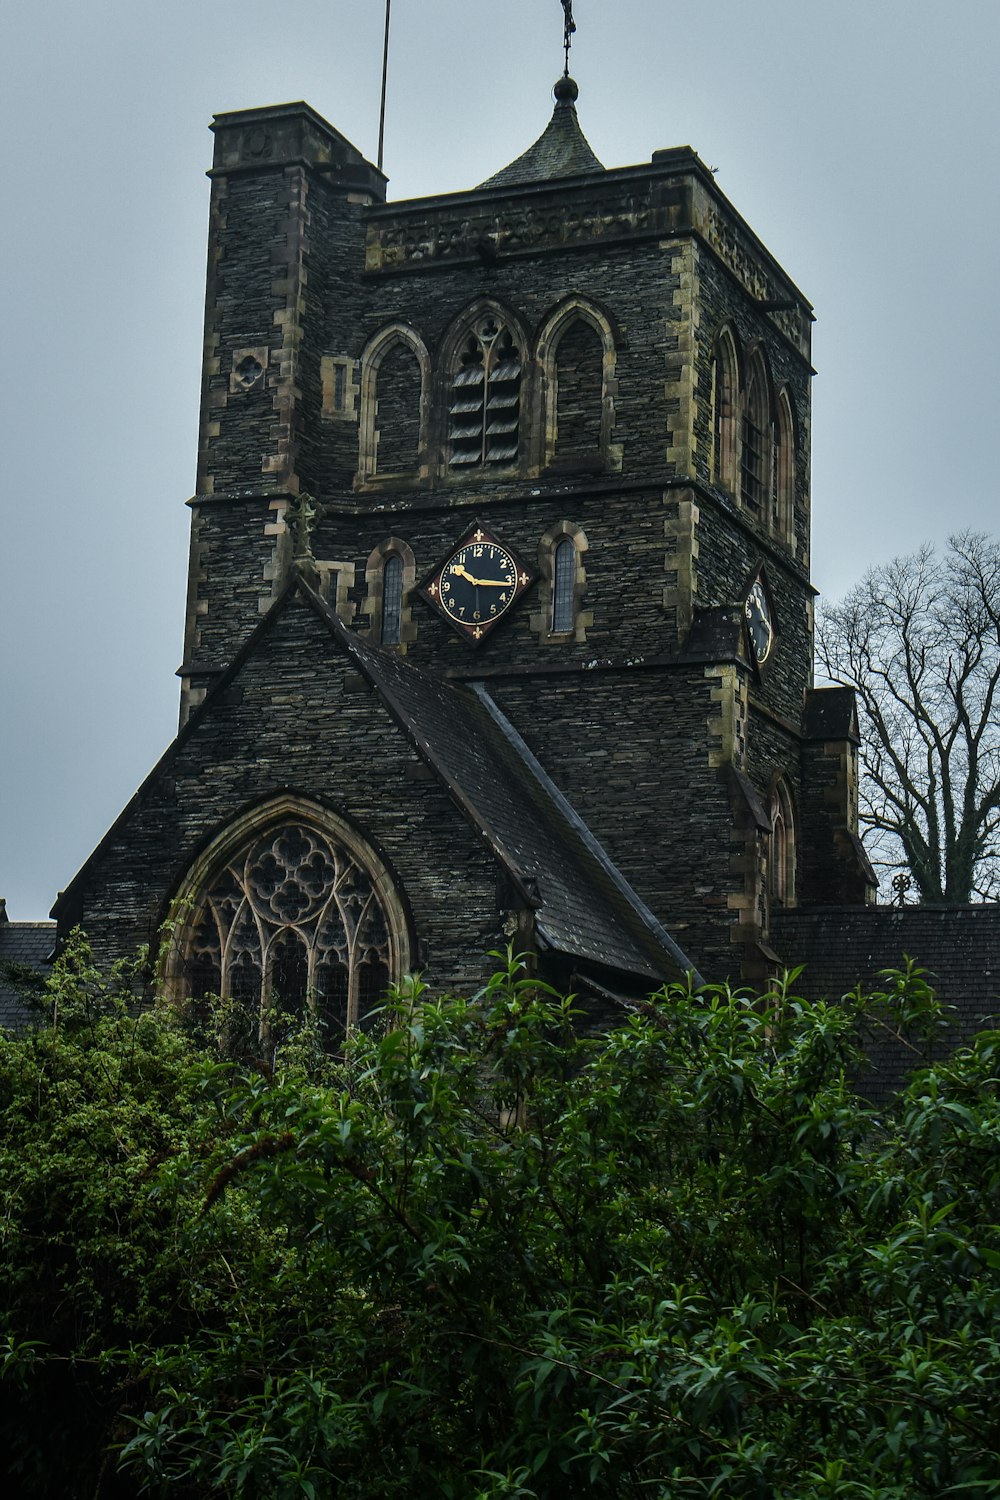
x=569, y=26
x=385, y=72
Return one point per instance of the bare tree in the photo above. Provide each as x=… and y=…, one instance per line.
x=919, y=641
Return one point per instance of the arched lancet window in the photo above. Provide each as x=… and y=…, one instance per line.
x=397, y=411
x=563, y=586
x=755, y=452
x=392, y=599
x=392, y=436
x=724, y=411
x=784, y=469
x=287, y=916
x=781, y=861
x=484, y=407
x=579, y=375
x=559, y=618
x=575, y=351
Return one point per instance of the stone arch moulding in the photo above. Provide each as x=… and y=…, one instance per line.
x=785, y=466
x=757, y=418
x=727, y=381
x=781, y=860
x=393, y=336
x=464, y=328
x=543, y=621
x=287, y=873
x=574, y=310
x=392, y=546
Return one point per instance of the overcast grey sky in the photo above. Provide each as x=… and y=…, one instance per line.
x=860, y=139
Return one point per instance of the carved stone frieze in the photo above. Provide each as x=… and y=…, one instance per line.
x=737, y=253
x=514, y=226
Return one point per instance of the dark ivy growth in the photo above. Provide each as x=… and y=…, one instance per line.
x=481, y=1255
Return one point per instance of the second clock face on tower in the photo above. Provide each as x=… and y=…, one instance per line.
x=760, y=625
x=477, y=585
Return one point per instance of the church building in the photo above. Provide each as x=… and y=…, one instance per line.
x=499, y=619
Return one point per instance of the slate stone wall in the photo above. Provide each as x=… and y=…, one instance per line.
x=298, y=718
x=307, y=267
x=628, y=749
x=843, y=946
x=721, y=302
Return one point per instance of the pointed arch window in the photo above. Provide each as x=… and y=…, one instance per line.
x=755, y=452
x=579, y=380
x=564, y=586
x=484, y=409
x=291, y=920
x=781, y=861
x=724, y=412
x=784, y=469
x=392, y=599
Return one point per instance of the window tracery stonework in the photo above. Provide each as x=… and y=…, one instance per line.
x=293, y=919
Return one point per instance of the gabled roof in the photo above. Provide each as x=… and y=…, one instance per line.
x=562, y=149
x=583, y=905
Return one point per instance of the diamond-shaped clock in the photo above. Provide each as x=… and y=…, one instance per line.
x=477, y=584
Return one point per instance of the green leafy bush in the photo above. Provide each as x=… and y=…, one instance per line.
x=483, y=1255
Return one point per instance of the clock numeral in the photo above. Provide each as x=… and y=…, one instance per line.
x=477, y=551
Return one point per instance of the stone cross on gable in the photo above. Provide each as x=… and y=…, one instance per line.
x=300, y=518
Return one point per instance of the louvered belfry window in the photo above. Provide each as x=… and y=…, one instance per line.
x=485, y=399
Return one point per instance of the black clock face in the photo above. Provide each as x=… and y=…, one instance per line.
x=477, y=584
x=759, y=623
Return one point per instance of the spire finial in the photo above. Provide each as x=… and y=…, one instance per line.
x=569, y=26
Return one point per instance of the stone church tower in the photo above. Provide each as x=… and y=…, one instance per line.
x=499, y=621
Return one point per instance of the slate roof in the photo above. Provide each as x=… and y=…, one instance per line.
x=562, y=149
x=26, y=945
x=957, y=946
x=584, y=907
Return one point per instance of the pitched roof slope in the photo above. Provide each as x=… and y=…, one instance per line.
x=584, y=907
x=23, y=945
x=562, y=149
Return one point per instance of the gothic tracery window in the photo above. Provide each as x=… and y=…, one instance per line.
x=484, y=409
x=291, y=921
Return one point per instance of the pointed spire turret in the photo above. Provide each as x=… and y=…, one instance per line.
x=562, y=150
